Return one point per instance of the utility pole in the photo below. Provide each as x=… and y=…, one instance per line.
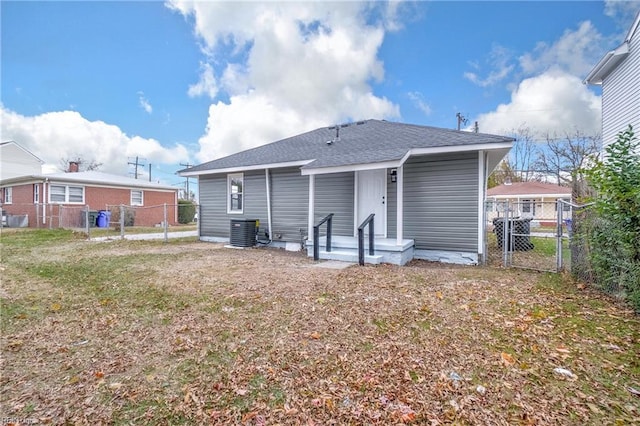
x=188, y=196
x=136, y=165
x=461, y=119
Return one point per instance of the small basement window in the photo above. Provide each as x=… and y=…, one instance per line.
x=235, y=188
x=137, y=197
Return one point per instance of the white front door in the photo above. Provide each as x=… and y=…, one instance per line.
x=372, y=198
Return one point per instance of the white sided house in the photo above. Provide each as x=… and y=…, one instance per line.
x=529, y=200
x=15, y=160
x=618, y=72
x=425, y=186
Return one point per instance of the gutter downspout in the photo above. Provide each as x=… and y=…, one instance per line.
x=44, y=201
x=268, y=187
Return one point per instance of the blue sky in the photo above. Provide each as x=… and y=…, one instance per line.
x=183, y=81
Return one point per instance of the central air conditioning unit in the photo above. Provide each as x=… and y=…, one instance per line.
x=243, y=232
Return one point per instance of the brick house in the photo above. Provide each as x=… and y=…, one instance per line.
x=61, y=199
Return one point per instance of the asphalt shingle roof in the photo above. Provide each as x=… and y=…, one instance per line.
x=370, y=141
x=529, y=188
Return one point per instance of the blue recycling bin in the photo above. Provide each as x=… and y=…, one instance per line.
x=569, y=224
x=103, y=219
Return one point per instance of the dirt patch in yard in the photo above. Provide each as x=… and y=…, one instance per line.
x=142, y=332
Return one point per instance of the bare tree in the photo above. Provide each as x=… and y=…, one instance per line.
x=523, y=154
x=564, y=158
x=518, y=166
x=83, y=165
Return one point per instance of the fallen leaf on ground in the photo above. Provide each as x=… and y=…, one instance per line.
x=507, y=359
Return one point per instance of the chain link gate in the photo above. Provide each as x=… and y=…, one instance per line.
x=528, y=234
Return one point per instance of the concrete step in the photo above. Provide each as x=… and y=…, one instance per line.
x=349, y=256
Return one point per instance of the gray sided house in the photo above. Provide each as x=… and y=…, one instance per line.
x=425, y=185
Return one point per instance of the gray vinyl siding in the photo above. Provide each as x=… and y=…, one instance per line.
x=334, y=194
x=212, y=190
x=214, y=219
x=441, y=202
x=621, y=95
x=289, y=203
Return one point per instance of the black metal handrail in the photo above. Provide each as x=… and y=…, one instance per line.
x=316, y=236
x=368, y=221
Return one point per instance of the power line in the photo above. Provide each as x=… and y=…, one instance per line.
x=187, y=166
x=136, y=164
x=461, y=119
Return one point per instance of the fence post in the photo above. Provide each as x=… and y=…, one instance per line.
x=50, y=216
x=122, y=221
x=559, y=207
x=86, y=221
x=505, y=221
x=166, y=225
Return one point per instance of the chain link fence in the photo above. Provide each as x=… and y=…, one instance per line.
x=111, y=222
x=528, y=235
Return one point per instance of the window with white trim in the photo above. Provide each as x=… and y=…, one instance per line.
x=66, y=194
x=137, y=197
x=7, y=196
x=36, y=193
x=565, y=207
x=235, y=192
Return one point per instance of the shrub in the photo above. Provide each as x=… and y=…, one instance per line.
x=614, y=249
x=129, y=216
x=186, y=211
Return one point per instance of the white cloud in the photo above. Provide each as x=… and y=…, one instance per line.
x=553, y=102
x=625, y=10
x=576, y=52
x=144, y=103
x=288, y=67
x=498, y=60
x=207, y=85
x=64, y=134
x=418, y=101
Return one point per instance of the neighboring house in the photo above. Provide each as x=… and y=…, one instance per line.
x=618, y=72
x=535, y=200
x=60, y=199
x=425, y=185
x=16, y=160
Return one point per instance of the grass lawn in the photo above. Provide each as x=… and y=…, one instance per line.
x=146, y=332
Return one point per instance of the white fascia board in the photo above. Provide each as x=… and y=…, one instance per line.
x=411, y=152
x=607, y=64
x=461, y=148
x=246, y=168
x=352, y=168
x=634, y=27
x=22, y=180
